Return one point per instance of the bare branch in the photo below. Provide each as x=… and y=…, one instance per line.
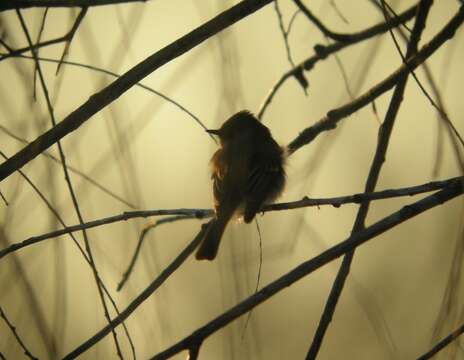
x=330, y=121
x=16, y=335
x=148, y=228
x=310, y=266
x=178, y=261
x=64, y=38
x=323, y=51
x=443, y=343
x=72, y=169
x=284, y=32
x=71, y=34
x=111, y=92
x=24, y=4
x=4, y=199
x=113, y=74
x=205, y=213
x=322, y=28
x=385, y=132
x=86, y=258
x=69, y=184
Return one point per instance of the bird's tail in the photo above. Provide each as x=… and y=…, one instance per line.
x=209, y=246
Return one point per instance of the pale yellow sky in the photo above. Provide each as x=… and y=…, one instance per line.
x=156, y=156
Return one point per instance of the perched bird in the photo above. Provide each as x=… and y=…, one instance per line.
x=247, y=172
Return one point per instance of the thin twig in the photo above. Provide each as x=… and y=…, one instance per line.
x=71, y=34
x=338, y=12
x=284, y=33
x=31, y=297
x=64, y=38
x=292, y=21
x=16, y=335
x=322, y=28
x=72, y=169
x=4, y=198
x=39, y=37
x=322, y=52
x=258, y=278
x=115, y=75
x=330, y=121
x=5, y=45
x=130, y=267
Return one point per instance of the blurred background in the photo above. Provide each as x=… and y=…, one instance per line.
x=404, y=290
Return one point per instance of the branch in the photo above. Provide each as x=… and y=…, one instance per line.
x=61, y=221
x=148, y=228
x=24, y=4
x=71, y=34
x=16, y=335
x=385, y=132
x=75, y=203
x=99, y=100
x=115, y=75
x=205, y=213
x=443, y=343
x=323, y=51
x=65, y=38
x=330, y=121
x=178, y=261
x=322, y=28
x=72, y=169
x=198, y=213
x=312, y=265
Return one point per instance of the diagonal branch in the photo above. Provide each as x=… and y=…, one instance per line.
x=178, y=261
x=72, y=32
x=24, y=4
x=115, y=75
x=69, y=183
x=332, y=118
x=16, y=335
x=443, y=343
x=101, y=99
x=84, y=255
x=323, y=51
x=322, y=28
x=72, y=169
x=65, y=38
x=310, y=266
x=385, y=132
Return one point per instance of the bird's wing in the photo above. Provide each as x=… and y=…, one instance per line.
x=265, y=181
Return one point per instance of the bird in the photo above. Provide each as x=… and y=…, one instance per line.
x=247, y=172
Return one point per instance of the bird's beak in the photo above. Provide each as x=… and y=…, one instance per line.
x=213, y=131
